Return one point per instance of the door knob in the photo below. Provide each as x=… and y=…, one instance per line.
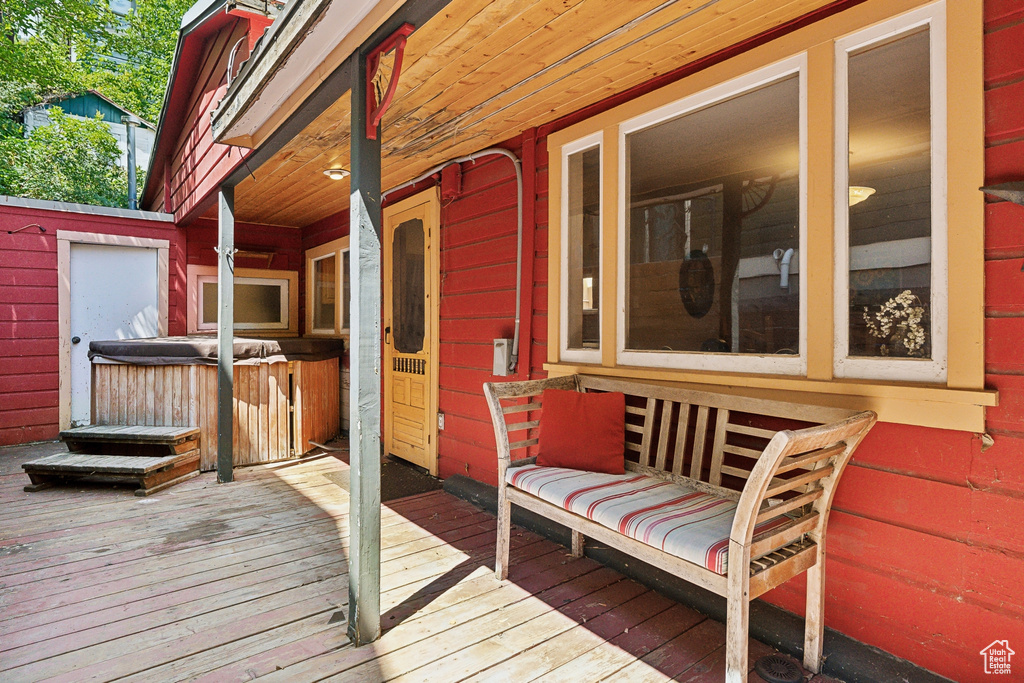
x=75, y=340
x=387, y=334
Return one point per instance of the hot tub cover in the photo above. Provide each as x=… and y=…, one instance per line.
x=202, y=350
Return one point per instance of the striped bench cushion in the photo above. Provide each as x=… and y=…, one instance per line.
x=681, y=521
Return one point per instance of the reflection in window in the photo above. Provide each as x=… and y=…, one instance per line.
x=259, y=303
x=584, y=253
x=324, y=288
x=408, y=286
x=714, y=226
x=890, y=230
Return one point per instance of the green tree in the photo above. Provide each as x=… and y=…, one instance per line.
x=41, y=39
x=70, y=160
x=137, y=78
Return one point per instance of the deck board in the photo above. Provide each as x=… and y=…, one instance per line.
x=216, y=582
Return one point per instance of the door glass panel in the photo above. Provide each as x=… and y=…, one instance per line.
x=323, y=293
x=407, y=287
x=890, y=199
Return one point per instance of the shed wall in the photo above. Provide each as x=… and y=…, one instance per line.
x=29, y=316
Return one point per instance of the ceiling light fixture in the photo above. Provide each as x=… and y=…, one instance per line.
x=336, y=173
x=859, y=194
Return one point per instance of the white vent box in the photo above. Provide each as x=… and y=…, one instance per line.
x=502, y=357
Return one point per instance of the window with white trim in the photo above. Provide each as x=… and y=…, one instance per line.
x=711, y=228
x=891, y=286
x=260, y=303
x=581, y=250
x=327, y=288
x=875, y=207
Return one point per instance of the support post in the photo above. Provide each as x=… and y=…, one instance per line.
x=225, y=333
x=365, y=403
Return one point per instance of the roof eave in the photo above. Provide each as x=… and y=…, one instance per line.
x=269, y=86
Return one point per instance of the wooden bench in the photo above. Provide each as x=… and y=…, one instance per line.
x=769, y=465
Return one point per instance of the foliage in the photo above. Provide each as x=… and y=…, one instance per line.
x=53, y=48
x=70, y=160
x=131, y=66
x=42, y=36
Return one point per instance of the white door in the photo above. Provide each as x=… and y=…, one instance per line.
x=115, y=294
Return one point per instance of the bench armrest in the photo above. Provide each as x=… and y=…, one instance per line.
x=804, y=465
x=511, y=393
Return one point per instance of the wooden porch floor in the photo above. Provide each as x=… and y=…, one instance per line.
x=222, y=583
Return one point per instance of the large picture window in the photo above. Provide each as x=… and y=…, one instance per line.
x=890, y=213
x=712, y=229
x=801, y=219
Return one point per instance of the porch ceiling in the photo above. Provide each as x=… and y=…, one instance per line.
x=482, y=71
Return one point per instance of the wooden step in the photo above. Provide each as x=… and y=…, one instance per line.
x=151, y=473
x=131, y=434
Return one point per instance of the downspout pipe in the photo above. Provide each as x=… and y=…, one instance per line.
x=514, y=360
x=131, y=122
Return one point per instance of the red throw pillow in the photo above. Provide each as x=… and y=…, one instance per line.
x=582, y=431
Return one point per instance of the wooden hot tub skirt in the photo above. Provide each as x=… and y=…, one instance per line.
x=279, y=408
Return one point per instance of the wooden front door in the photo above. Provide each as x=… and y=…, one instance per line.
x=411, y=269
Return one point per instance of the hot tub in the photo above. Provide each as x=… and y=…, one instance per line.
x=286, y=391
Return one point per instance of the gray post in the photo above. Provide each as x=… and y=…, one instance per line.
x=365, y=378
x=130, y=123
x=225, y=333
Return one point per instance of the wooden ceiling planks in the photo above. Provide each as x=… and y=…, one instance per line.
x=481, y=72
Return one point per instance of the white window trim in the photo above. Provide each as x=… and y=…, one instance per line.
x=900, y=369
x=575, y=355
x=287, y=279
x=280, y=283
x=731, y=362
x=337, y=248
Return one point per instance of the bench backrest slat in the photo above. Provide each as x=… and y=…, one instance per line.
x=663, y=436
x=648, y=431
x=682, y=428
x=718, y=451
x=700, y=435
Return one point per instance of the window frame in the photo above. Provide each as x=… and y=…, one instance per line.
x=958, y=402
x=695, y=360
x=578, y=146
x=337, y=248
x=883, y=368
x=288, y=280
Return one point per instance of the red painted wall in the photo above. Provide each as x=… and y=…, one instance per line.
x=926, y=541
x=197, y=164
x=28, y=310
x=285, y=243
x=926, y=556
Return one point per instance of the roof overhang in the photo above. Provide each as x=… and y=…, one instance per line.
x=309, y=40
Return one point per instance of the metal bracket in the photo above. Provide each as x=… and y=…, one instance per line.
x=375, y=110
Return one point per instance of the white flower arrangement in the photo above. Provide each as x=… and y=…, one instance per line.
x=898, y=324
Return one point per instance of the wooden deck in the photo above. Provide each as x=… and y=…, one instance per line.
x=246, y=580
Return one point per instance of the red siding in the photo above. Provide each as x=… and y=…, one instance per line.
x=927, y=541
x=284, y=243
x=29, y=316
x=478, y=287
x=926, y=547
x=197, y=163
